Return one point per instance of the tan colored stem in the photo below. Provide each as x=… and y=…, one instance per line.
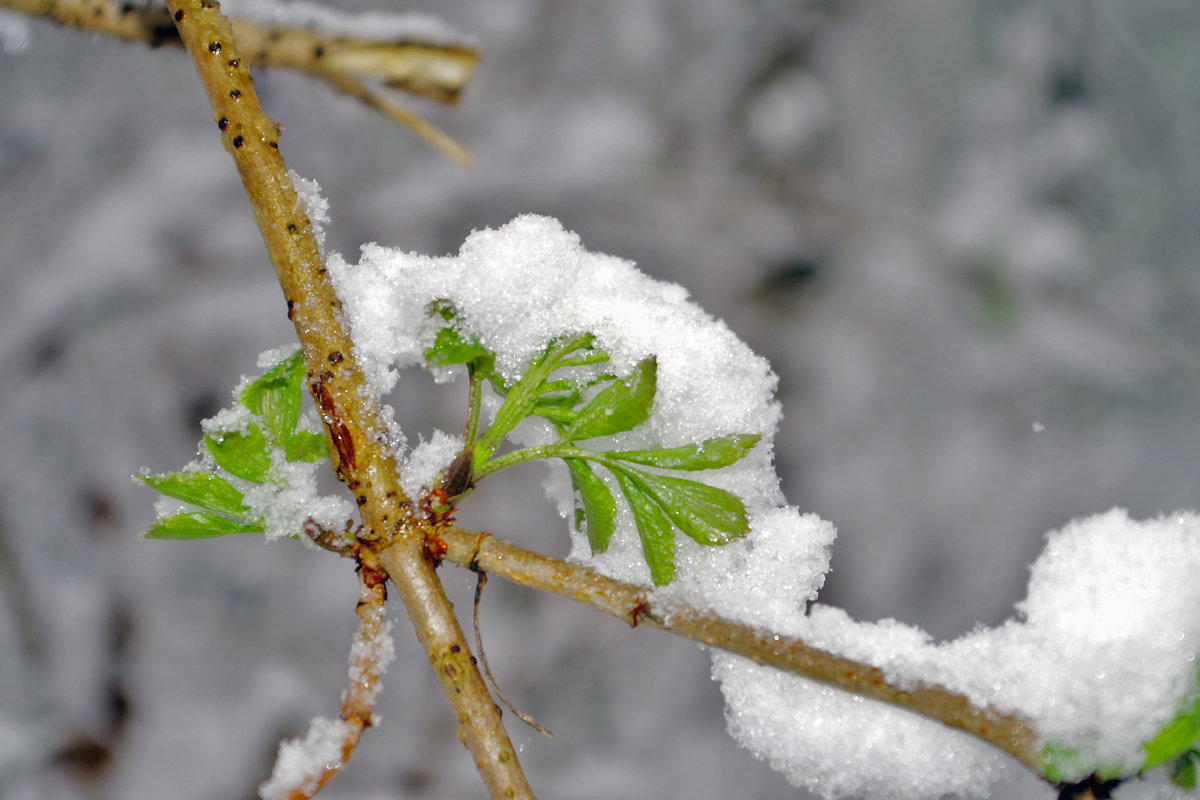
x=482, y=551
x=350, y=412
x=435, y=70
x=438, y=71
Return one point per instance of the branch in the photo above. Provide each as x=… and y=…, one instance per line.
x=302, y=777
x=350, y=412
x=633, y=604
x=436, y=70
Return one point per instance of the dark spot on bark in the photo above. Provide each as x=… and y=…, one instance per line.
x=336, y=357
x=223, y=123
x=235, y=62
x=179, y=15
x=291, y=228
x=291, y=308
x=361, y=500
x=274, y=145
x=326, y=376
x=235, y=94
x=239, y=140
x=318, y=51
x=126, y=8
x=214, y=47
x=455, y=648
x=473, y=661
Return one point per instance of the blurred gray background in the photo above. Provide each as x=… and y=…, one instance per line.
x=964, y=234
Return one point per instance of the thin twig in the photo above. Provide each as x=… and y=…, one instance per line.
x=435, y=70
x=370, y=654
x=480, y=582
x=482, y=551
x=349, y=410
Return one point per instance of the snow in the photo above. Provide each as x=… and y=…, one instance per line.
x=428, y=458
x=522, y=285
x=301, y=762
x=1098, y=659
x=376, y=25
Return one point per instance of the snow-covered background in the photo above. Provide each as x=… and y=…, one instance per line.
x=964, y=234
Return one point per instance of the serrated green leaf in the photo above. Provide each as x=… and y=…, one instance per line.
x=203, y=489
x=654, y=529
x=599, y=508
x=1177, y=737
x=307, y=446
x=621, y=406
x=1183, y=771
x=451, y=347
x=275, y=397
x=709, y=454
x=709, y=515
x=246, y=455
x=200, y=525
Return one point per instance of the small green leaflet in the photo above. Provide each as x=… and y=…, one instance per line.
x=199, y=525
x=654, y=529
x=599, y=510
x=709, y=454
x=1178, y=737
x=709, y=515
x=1183, y=772
x=274, y=402
x=204, y=489
x=621, y=406
x=246, y=455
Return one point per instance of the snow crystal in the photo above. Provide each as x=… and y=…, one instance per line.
x=289, y=498
x=427, y=459
x=301, y=762
x=316, y=207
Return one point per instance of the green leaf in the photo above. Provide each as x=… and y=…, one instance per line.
x=307, y=446
x=709, y=515
x=709, y=454
x=1183, y=772
x=1180, y=735
x=622, y=405
x=654, y=529
x=599, y=508
x=200, y=525
x=246, y=455
x=276, y=397
x=451, y=347
x=203, y=489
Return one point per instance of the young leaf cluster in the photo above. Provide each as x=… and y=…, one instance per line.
x=586, y=410
x=272, y=403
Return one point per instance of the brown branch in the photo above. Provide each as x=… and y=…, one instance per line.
x=369, y=656
x=482, y=551
x=349, y=411
x=436, y=70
